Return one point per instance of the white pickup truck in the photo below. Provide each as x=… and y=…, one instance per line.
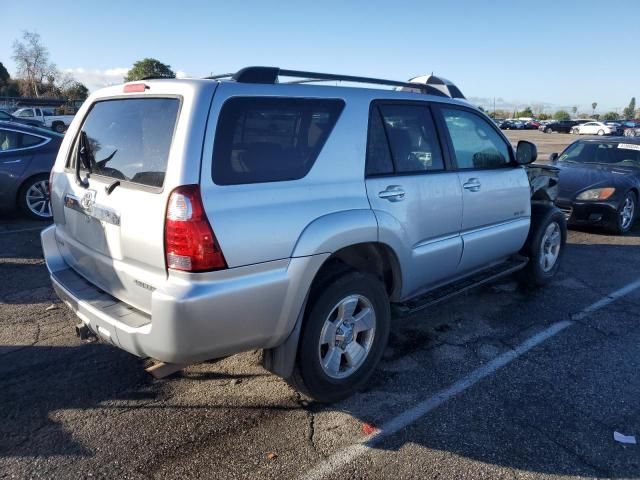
x=47, y=116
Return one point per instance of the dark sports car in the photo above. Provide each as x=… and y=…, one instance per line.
x=599, y=182
x=26, y=157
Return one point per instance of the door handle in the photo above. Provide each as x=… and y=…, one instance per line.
x=473, y=185
x=393, y=193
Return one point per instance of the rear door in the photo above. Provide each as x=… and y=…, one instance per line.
x=416, y=199
x=496, y=194
x=111, y=230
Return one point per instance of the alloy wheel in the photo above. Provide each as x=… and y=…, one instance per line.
x=37, y=199
x=550, y=246
x=627, y=212
x=347, y=336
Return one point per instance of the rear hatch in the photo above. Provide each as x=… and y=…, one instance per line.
x=137, y=147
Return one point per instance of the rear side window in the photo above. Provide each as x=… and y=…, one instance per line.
x=475, y=141
x=129, y=139
x=412, y=137
x=11, y=140
x=379, y=160
x=30, y=140
x=260, y=139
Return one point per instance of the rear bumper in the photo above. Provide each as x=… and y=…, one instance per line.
x=192, y=318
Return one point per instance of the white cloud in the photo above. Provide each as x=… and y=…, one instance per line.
x=95, y=79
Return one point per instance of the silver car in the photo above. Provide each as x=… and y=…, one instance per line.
x=200, y=218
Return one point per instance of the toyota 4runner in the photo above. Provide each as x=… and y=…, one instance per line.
x=195, y=219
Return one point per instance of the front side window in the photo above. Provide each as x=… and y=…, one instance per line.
x=412, y=137
x=129, y=139
x=26, y=114
x=475, y=143
x=266, y=139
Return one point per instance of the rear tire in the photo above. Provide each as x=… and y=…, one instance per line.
x=544, y=247
x=33, y=198
x=600, y=133
x=335, y=357
x=547, y=130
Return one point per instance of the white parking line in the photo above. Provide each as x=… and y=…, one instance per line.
x=406, y=418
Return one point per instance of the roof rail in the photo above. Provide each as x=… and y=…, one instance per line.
x=270, y=75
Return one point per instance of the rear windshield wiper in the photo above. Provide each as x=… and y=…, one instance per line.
x=82, y=155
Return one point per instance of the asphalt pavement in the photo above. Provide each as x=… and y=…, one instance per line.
x=497, y=383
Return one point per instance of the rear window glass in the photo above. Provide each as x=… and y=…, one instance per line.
x=270, y=139
x=129, y=139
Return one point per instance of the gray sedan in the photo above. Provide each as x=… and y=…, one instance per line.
x=26, y=157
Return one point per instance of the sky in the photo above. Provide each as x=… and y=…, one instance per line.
x=554, y=53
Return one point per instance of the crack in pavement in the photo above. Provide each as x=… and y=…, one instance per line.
x=311, y=427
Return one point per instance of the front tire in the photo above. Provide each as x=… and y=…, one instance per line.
x=345, y=332
x=33, y=198
x=626, y=214
x=547, y=130
x=544, y=247
x=59, y=127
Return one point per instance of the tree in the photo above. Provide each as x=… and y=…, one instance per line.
x=4, y=75
x=574, y=109
x=610, y=116
x=593, y=108
x=561, y=115
x=76, y=91
x=544, y=116
x=8, y=87
x=32, y=62
x=630, y=111
x=525, y=113
x=149, y=67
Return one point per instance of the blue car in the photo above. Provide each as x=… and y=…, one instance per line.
x=26, y=157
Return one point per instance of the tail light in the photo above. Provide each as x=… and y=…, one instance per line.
x=189, y=242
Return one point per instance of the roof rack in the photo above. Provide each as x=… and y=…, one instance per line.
x=269, y=75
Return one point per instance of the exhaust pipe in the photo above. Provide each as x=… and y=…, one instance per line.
x=83, y=332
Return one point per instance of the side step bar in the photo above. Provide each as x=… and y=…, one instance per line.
x=445, y=292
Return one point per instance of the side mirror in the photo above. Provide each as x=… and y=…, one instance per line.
x=526, y=153
x=553, y=158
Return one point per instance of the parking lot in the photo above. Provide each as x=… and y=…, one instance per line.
x=547, y=143
x=498, y=383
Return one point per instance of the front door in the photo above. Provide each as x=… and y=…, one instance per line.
x=416, y=199
x=496, y=193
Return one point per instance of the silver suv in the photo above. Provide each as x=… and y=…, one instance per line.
x=195, y=219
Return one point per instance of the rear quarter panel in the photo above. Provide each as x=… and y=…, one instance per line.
x=264, y=221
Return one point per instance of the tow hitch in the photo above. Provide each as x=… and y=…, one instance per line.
x=83, y=332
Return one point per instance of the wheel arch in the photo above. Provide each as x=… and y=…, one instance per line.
x=371, y=257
